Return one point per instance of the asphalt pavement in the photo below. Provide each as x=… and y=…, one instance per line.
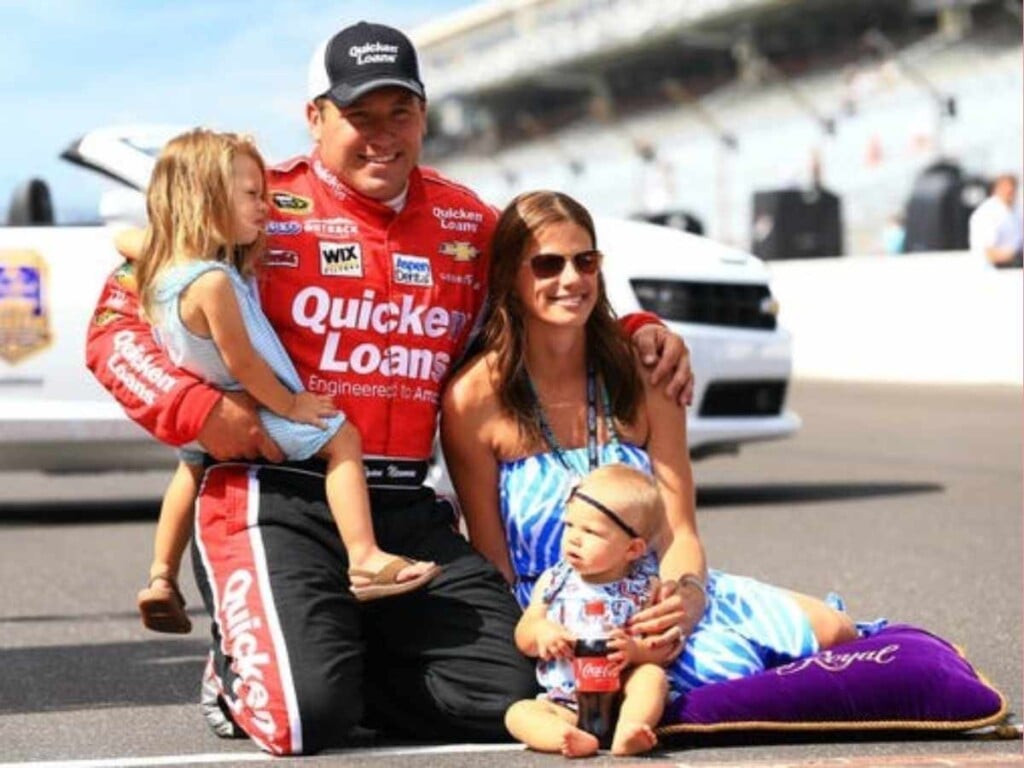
x=906, y=499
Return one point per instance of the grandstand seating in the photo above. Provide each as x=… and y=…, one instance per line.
x=871, y=160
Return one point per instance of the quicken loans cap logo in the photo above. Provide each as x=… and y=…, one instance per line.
x=374, y=53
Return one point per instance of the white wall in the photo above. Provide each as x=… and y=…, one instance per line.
x=871, y=162
x=939, y=318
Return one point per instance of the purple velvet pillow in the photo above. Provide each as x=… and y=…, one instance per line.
x=902, y=677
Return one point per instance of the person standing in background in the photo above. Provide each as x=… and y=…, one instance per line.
x=996, y=232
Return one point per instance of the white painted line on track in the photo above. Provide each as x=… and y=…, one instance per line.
x=441, y=749
x=144, y=762
x=255, y=757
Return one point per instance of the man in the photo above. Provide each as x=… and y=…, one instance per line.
x=995, y=230
x=374, y=278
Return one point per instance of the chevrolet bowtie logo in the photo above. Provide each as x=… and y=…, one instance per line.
x=460, y=250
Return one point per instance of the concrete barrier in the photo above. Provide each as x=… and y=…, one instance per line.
x=938, y=318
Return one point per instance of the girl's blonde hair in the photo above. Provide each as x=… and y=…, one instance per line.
x=190, y=208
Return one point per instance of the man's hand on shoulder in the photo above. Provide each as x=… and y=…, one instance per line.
x=234, y=431
x=665, y=355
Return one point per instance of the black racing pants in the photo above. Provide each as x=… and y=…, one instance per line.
x=301, y=661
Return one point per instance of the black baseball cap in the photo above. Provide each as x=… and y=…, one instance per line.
x=362, y=58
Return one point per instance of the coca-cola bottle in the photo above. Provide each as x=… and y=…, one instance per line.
x=597, y=680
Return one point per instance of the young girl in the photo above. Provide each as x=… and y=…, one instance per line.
x=207, y=209
x=608, y=520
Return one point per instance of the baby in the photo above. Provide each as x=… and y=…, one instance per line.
x=609, y=519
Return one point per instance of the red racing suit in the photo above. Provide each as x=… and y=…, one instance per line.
x=373, y=306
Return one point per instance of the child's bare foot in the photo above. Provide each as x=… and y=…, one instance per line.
x=386, y=575
x=633, y=738
x=578, y=743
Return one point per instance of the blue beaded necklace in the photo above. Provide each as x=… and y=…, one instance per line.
x=593, y=457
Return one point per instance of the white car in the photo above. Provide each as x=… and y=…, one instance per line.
x=55, y=417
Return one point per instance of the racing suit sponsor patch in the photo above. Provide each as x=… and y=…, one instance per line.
x=338, y=226
x=459, y=250
x=125, y=282
x=458, y=219
x=125, y=278
x=290, y=203
x=412, y=270
x=341, y=259
x=24, y=317
x=283, y=228
x=279, y=258
x=448, y=277
x=104, y=316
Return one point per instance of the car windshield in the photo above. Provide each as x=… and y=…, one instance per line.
x=149, y=146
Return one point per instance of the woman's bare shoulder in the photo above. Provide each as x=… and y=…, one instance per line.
x=473, y=386
x=658, y=413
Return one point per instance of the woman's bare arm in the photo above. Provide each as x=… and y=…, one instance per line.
x=680, y=604
x=679, y=548
x=473, y=465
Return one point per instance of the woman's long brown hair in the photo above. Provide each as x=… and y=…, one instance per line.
x=607, y=348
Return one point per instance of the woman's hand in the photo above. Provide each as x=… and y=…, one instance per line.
x=652, y=650
x=668, y=621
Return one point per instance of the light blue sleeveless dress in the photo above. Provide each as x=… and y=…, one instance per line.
x=201, y=357
x=747, y=625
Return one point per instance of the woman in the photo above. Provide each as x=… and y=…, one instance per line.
x=555, y=393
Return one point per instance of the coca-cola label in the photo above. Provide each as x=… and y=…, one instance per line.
x=595, y=674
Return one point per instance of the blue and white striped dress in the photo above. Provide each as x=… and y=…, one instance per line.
x=201, y=357
x=747, y=625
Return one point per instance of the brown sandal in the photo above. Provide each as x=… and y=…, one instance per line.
x=163, y=607
x=383, y=583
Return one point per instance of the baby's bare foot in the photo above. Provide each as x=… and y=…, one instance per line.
x=579, y=743
x=633, y=738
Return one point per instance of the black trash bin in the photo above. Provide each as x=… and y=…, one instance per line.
x=939, y=208
x=796, y=224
